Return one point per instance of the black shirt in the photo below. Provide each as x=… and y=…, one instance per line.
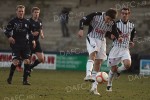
x=95, y=20
x=19, y=29
x=36, y=26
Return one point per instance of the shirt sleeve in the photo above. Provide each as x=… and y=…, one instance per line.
x=9, y=29
x=31, y=37
x=87, y=19
x=41, y=25
x=115, y=31
x=132, y=34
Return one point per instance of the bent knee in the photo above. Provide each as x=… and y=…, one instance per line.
x=26, y=61
x=127, y=66
x=41, y=59
x=15, y=62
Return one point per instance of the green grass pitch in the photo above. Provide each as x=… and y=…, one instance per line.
x=69, y=85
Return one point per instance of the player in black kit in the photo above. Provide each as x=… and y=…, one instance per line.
x=36, y=27
x=18, y=32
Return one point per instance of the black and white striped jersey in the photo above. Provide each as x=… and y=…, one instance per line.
x=97, y=25
x=127, y=31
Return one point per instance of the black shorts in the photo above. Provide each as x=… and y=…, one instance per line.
x=20, y=51
x=37, y=48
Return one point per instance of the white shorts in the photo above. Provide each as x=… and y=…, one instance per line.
x=94, y=44
x=117, y=55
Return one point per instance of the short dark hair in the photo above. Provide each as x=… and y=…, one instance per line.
x=125, y=8
x=35, y=8
x=112, y=13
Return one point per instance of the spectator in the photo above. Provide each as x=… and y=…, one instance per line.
x=64, y=17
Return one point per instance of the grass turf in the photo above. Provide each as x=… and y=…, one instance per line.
x=69, y=85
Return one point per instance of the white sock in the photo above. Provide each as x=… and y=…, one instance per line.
x=89, y=67
x=94, y=85
x=110, y=78
x=121, y=68
x=94, y=74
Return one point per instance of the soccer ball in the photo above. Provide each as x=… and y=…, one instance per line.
x=101, y=77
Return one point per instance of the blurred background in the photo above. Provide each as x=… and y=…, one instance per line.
x=51, y=15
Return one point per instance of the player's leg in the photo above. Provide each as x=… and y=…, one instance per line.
x=89, y=66
x=40, y=59
x=126, y=65
x=26, y=71
x=92, y=50
x=18, y=67
x=12, y=70
x=40, y=55
x=15, y=61
x=100, y=57
x=26, y=56
x=96, y=68
x=30, y=58
x=111, y=74
x=116, y=70
x=126, y=58
x=113, y=60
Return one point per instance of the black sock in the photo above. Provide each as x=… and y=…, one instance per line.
x=26, y=72
x=12, y=70
x=35, y=64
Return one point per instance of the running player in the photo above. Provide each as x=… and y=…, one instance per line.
x=18, y=32
x=120, y=51
x=36, y=27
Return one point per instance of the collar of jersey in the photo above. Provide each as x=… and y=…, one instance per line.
x=124, y=22
x=19, y=18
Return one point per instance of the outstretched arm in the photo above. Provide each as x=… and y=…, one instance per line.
x=86, y=21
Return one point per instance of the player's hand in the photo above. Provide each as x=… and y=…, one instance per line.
x=80, y=33
x=131, y=44
x=120, y=39
x=42, y=36
x=36, y=33
x=112, y=36
x=11, y=40
x=34, y=44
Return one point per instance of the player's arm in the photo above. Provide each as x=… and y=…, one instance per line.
x=35, y=33
x=41, y=31
x=31, y=36
x=86, y=21
x=132, y=37
x=32, y=40
x=8, y=31
x=108, y=35
x=42, y=34
x=116, y=33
